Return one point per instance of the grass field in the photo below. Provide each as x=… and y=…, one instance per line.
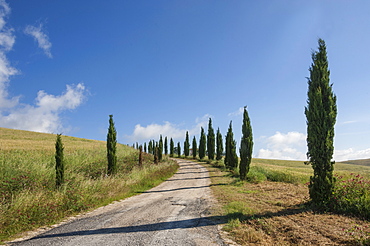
x=270, y=208
x=28, y=198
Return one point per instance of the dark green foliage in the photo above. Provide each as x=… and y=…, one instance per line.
x=140, y=156
x=172, y=146
x=160, y=149
x=111, y=147
x=150, y=147
x=246, y=146
x=202, y=144
x=178, y=149
x=231, y=159
x=186, y=145
x=165, y=146
x=144, y=147
x=219, y=147
x=155, y=153
x=59, y=162
x=210, y=141
x=194, y=148
x=321, y=112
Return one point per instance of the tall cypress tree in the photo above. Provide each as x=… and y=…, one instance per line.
x=178, y=149
x=150, y=147
x=211, y=141
x=172, y=147
x=219, y=148
x=145, y=147
x=202, y=144
x=231, y=159
x=59, y=162
x=194, y=148
x=111, y=147
x=165, y=146
x=321, y=113
x=160, y=149
x=186, y=145
x=246, y=146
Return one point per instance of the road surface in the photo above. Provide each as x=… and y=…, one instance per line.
x=173, y=213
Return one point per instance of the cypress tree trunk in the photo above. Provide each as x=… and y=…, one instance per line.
x=172, y=146
x=211, y=141
x=179, y=150
x=202, y=144
x=219, y=148
x=111, y=147
x=246, y=146
x=59, y=162
x=186, y=145
x=194, y=148
x=321, y=112
x=165, y=146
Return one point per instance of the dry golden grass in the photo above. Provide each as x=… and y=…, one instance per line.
x=273, y=213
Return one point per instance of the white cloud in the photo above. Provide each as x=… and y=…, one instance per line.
x=41, y=38
x=284, y=146
x=240, y=111
x=153, y=131
x=351, y=154
x=45, y=115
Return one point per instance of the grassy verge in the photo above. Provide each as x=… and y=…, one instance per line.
x=28, y=198
x=270, y=207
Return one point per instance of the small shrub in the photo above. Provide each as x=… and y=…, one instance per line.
x=352, y=196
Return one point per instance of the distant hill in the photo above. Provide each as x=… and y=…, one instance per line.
x=362, y=162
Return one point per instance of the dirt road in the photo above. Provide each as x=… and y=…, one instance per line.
x=173, y=213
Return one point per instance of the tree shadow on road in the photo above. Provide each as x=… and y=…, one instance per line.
x=170, y=225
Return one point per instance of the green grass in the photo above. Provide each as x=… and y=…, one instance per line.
x=28, y=198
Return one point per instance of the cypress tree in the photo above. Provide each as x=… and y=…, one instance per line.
x=155, y=153
x=172, y=147
x=160, y=149
x=246, y=146
x=165, y=146
x=194, y=148
x=202, y=144
x=186, y=145
x=321, y=112
x=145, y=147
x=111, y=147
x=59, y=162
x=219, y=148
x=150, y=147
x=231, y=159
x=178, y=149
x=210, y=141
x=140, y=156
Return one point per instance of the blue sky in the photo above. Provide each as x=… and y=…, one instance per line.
x=165, y=67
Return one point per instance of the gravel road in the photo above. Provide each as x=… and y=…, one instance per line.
x=173, y=213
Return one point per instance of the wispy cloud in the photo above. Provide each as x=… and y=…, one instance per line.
x=284, y=146
x=44, y=116
x=240, y=111
x=42, y=39
x=351, y=154
x=153, y=131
